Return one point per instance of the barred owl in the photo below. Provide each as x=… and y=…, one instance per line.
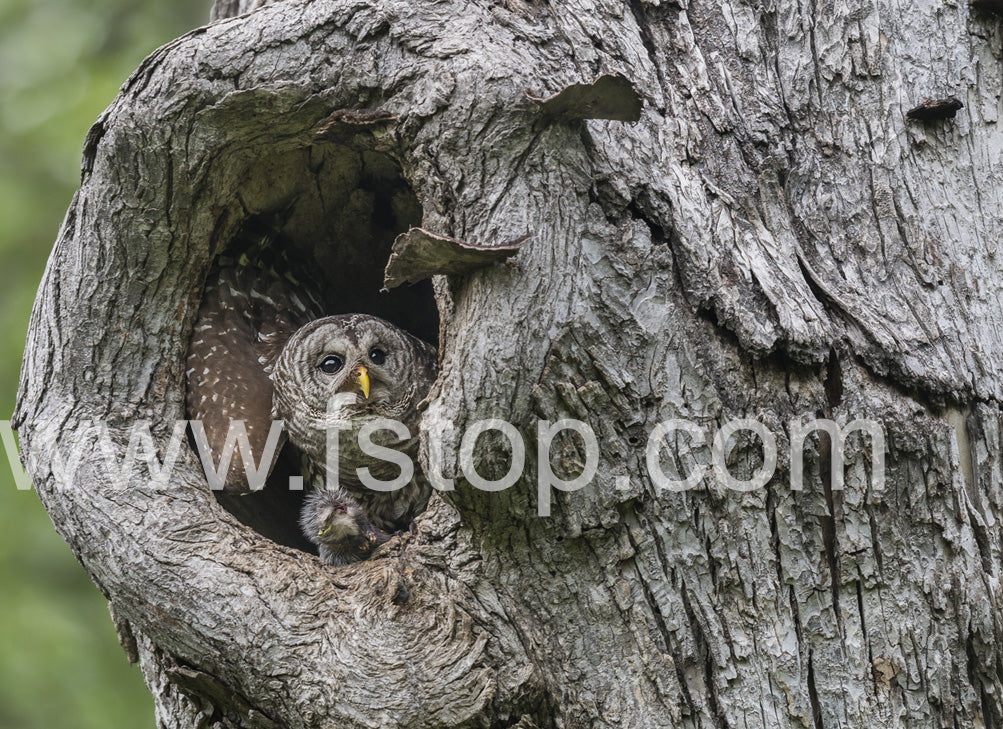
x=385, y=372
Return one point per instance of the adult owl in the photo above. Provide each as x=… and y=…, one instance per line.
x=258, y=296
x=356, y=370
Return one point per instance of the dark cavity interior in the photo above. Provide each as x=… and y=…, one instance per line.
x=336, y=208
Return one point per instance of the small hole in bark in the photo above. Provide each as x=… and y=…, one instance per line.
x=636, y=435
x=401, y=594
x=311, y=226
x=990, y=7
x=932, y=110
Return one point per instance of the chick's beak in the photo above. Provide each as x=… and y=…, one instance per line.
x=361, y=375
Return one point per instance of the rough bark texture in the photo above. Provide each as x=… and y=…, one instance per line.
x=773, y=239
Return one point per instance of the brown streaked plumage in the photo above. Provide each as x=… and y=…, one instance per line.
x=251, y=305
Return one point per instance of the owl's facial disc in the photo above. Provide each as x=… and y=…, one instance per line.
x=353, y=354
x=329, y=520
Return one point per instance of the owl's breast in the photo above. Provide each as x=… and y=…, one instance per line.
x=351, y=455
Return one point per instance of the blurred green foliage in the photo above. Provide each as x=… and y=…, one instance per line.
x=61, y=63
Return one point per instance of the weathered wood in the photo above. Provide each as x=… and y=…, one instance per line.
x=611, y=96
x=418, y=254
x=770, y=240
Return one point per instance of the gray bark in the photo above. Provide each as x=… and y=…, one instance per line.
x=772, y=239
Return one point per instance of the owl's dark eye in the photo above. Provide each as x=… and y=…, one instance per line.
x=377, y=356
x=331, y=364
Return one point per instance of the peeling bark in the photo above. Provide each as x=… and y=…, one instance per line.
x=418, y=255
x=610, y=96
x=771, y=239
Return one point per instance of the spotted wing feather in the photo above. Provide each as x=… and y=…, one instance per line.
x=253, y=302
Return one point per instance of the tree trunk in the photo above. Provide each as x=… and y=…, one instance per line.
x=772, y=240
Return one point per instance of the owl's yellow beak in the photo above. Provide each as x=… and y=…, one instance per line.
x=361, y=375
x=325, y=531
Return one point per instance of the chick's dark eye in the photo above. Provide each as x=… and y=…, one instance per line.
x=331, y=364
x=377, y=356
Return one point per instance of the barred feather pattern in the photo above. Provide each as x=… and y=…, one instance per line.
x=399, y=381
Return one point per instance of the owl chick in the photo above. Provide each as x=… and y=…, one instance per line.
x=372, y=371
x=339, y=527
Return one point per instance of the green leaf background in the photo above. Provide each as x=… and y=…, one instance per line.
x=61, y=63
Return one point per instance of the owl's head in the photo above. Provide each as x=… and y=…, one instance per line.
x=375, y=366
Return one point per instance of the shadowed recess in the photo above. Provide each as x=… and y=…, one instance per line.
x=310, y=237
